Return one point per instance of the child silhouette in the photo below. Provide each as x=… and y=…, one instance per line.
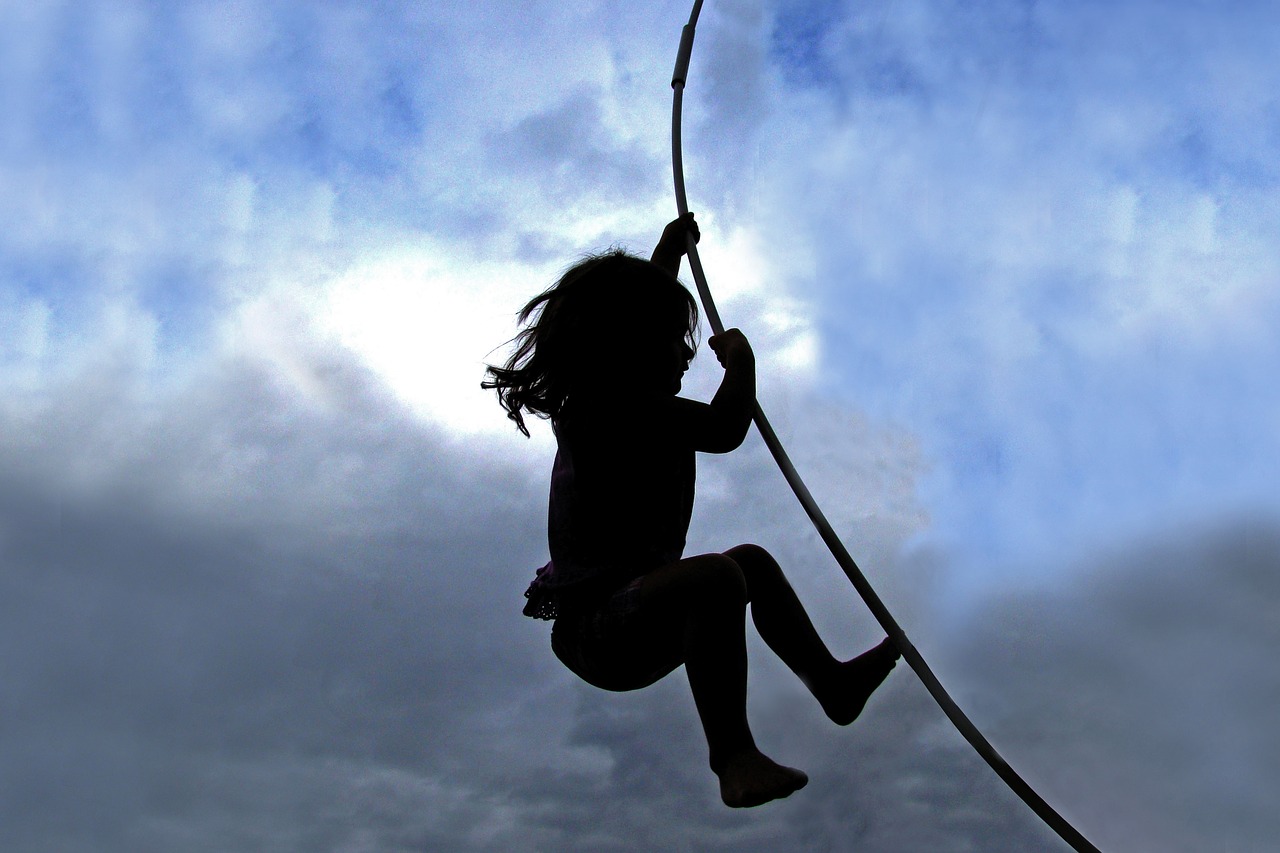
x=601, y=354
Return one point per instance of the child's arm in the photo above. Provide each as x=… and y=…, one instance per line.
x=674, y=243
x=721, y=425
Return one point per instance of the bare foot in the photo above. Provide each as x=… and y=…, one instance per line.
x=751, y=778
x=845, y=695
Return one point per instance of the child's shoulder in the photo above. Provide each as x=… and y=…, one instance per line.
x=627, y=414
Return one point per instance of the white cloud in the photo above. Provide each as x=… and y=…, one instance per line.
x=1030, y=244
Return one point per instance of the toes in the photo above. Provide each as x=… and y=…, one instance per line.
x=864, y=674
x=888, y=649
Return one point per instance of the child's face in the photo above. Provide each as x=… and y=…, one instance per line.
x=662, y=364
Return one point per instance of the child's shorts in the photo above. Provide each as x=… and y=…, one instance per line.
x=613, y=646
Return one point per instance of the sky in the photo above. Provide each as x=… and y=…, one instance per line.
x=1010, y=273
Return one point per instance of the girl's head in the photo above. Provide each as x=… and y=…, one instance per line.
x=612, y=322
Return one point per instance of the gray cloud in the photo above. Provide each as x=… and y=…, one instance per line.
x=236, y=606
x=228, y=603
x=237, y=615
x=572, y=157
x=1158, y=668
x=238, y=618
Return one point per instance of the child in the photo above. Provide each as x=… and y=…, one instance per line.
x=601, y=354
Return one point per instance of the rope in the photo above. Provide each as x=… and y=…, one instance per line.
x=1056, y=822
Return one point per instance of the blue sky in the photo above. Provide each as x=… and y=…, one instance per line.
x=1010, y=271
x=1046, y=253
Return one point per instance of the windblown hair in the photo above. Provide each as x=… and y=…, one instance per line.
x=582, y=326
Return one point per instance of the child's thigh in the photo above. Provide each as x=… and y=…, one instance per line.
x=638, y=636
x=671, y=593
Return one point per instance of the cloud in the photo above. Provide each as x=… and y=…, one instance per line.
x=1156, y=667
x=573, y=156
x=319, y=628
x=263, y=563
x=251, y=597
x=235, y=602
x=264, y=588
x=1020, y=247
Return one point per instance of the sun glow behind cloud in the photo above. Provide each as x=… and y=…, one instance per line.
x=426, y=319
x=749, y=281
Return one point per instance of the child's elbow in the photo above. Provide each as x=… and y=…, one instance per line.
x=728, y=437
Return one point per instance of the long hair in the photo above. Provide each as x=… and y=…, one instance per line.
x=601, y=304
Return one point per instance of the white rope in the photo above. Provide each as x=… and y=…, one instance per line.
x=1057, y=822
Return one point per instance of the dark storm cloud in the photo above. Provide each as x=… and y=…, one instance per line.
x=1159, y=668
x=264, y=607
x=237, y=615
x=313, y=617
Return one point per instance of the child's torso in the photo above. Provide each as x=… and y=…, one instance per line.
x=621, y=497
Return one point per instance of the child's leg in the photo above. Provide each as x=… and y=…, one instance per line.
x=704, y=600
x=842, y=688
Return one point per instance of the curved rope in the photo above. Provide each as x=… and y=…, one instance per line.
x=1057, y=822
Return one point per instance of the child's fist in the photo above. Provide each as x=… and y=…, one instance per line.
x=673, y=236
x=731, y=346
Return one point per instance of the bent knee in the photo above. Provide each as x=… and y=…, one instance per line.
x=749, y=555
x=758, y=566
x=718, y=577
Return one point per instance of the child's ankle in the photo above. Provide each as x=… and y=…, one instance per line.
x=720, y=760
